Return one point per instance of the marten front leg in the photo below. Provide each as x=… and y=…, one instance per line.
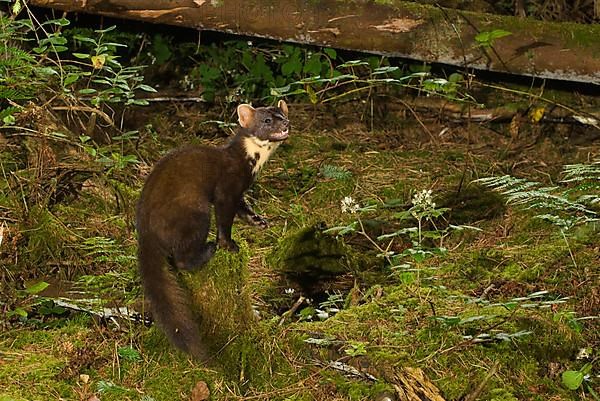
x=224, y=213
x=245, y=212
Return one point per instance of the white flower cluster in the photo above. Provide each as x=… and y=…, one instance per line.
x=349, y=205
x=423, y=199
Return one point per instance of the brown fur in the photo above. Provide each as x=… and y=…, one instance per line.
x=173, y=214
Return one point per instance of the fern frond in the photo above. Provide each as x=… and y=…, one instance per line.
x=9, y=111
x=565, y=208
x=335, y=172
x=15, y=94
x=582, y=172
x=9, y=55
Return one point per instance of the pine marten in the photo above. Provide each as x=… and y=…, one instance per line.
x=173, y=213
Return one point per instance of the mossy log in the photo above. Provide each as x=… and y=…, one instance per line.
x=221, y=303
x=565, y=51
x=311, y=259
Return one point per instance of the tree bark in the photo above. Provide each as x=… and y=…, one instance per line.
x=564, y=51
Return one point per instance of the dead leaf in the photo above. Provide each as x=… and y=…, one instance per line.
x=199, y=2
x=98, y=61
x=200, y=392
x=536, y=114
x=93, y=398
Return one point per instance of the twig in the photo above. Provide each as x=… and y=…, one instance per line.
x=175, y=99
x=569, y=248
x=102, y=114
x=418, y=120
x=347, y=369
x=477, y=391
x=104, y=313
x=292, y=310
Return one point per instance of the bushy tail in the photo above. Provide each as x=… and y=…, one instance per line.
x=168, y=301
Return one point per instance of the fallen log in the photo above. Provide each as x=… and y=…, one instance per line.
x=565, y=51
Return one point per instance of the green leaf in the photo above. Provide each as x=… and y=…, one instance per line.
x=40, y=49
x=312, y=96
x=572, y=379
x=59, y=22
x=455, y=77
x=285, y=91
x=55, y=40
x=9, y=120
x=160, y=49
x=487, y=38
x=385, y=70
x=81, y=55
x=47, y=71
x=87, y=91
x=139, y=102
x=129, y=354
x=17, y=7
x=60, y=48
x=37, y=287
x=110, y=28
x=293, y=66
x=90, y=151
x=84, y=39
x=313, y=65
x=146, y=88
x=18, y=312
x=353, y=63
x=50, y=308
x=70, y=79
x=331, y=53
x=115, y=44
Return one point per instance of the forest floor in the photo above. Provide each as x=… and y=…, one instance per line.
x=495, y=311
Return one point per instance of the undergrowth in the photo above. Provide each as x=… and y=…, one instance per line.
x=484, y=300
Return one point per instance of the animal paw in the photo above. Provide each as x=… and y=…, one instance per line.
x=259, y=221
x=230, y=245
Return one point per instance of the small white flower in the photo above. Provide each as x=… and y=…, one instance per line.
x=349, y=205
x=583, y=353
x=289, y=291
x=423, y=199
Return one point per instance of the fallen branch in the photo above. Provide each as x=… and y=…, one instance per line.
x=292, y=310
x=111, y=314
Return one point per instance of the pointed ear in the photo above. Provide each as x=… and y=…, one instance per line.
x=283, y=107
x=245, y=115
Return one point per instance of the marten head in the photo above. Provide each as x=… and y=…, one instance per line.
x=265, y=123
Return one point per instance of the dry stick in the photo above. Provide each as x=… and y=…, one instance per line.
x=475, y=393
x=543, y=99
x=293, y=309
x=102, y=114
x=418, y=120
x=175, y=99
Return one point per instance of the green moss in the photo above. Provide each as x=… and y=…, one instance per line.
x=308, y=251
x=472, y=204
x=356, y=390
x=583, y=35
x=221, y=300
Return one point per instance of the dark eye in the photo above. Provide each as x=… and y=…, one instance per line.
x=268, y=120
